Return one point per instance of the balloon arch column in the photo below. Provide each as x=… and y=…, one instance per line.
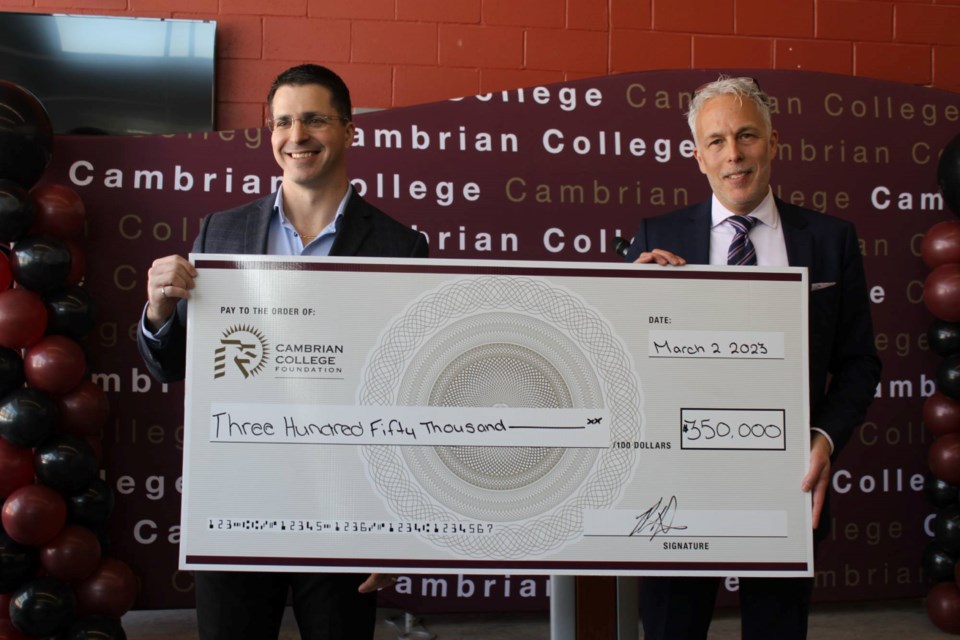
x=941, y=411
x=55, y=580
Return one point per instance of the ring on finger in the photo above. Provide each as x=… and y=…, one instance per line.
x=163, y=291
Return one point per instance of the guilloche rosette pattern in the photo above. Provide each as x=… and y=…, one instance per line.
x=512, y=343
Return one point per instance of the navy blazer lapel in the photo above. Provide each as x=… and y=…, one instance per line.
x=697, y=235
x=258, y=226
x=795, y=235
x=353, y=228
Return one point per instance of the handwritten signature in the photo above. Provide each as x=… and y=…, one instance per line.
x=658, y=519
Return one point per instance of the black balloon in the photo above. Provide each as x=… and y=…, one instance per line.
x=948, y=376
x=16, y=211
x=18, y=563
x=944, y=337
x=938, y=562
x=26, y=135
x=65, y=462
x=42, y=607
x=70, y=312
x=28, y=417
x=92, y=506
x=41, y=263
x=948, y=174
x=940, y=493
x=947, y=528
x=11, y=370
x=94, y=628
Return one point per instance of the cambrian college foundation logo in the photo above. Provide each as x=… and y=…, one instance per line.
x=243, y=345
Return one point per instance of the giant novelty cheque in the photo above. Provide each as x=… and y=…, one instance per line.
x=442, y=416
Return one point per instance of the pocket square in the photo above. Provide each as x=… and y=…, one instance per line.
x=816, y=286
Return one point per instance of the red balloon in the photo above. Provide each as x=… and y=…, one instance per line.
x=944, y=458
x=78, y=264
x=941, y=292
x=6, y=276
x=16, y=467
x=34, y=515
x=10, y=632
x=73, y=555
x=23, y=318
x=110, y=591
x=58, y=211
x=56, y=364
x=941, y=414
x=941, y=244
x=943, y=606
x=84, y=410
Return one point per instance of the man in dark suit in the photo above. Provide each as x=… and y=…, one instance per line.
x=315, y=213
x=743, y=223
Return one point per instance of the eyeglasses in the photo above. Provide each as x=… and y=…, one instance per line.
x=753, y=81
x=313, y=122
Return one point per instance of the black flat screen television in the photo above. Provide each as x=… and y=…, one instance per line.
x=113, y=75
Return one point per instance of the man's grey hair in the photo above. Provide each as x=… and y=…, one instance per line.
x=727, y=86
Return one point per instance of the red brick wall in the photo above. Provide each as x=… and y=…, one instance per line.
x=401, y=52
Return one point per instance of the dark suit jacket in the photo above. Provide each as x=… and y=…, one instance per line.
x=844, y=367
x=365, y=231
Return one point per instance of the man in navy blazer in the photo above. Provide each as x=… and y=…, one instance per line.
x=316, y=212
x=735, y=146
x=365, y=231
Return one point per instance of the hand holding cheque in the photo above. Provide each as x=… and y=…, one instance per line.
x=817, y=478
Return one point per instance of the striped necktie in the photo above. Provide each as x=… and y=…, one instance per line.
x=741, y=251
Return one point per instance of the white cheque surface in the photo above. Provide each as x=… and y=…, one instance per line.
x=445, y=416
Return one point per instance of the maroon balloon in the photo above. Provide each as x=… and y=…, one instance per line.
x=4, y=607
x=16, y=468
x=56, y=364
x=941, y=244
x=941, y=292
x=73, y=555
x=944, y=458
x=6, y=276
x=941, y=415
x=58, y=211
x=84, y=410
x=110, y=591
x=23, y=318
x=34, y=515
x=943, y=606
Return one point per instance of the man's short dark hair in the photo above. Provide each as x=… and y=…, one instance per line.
x=316, y=74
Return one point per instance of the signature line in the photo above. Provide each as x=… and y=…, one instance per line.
x=621, y=535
